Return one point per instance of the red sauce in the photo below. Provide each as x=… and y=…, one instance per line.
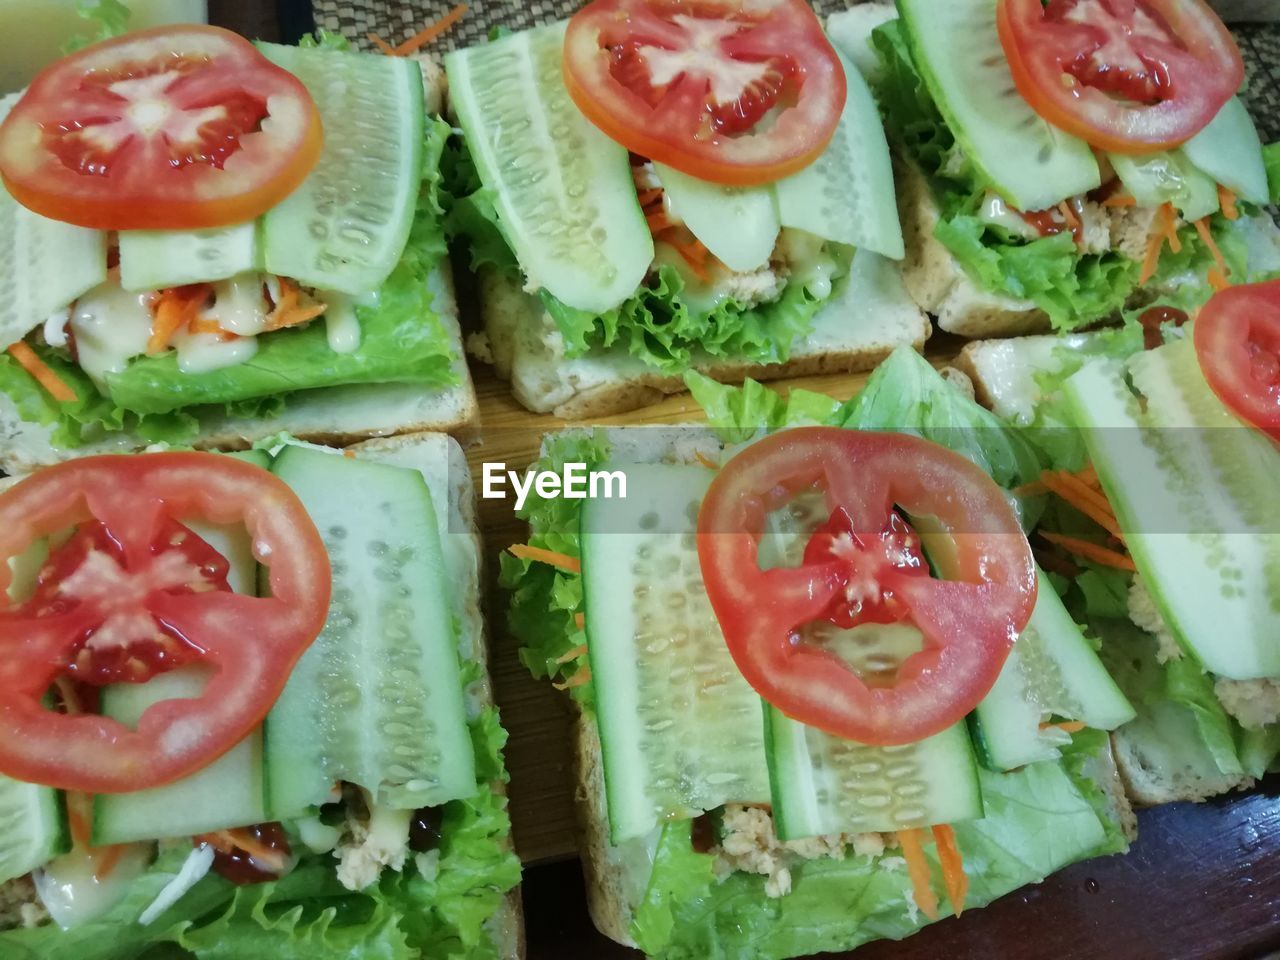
x=1051, y=222
x=704, y=834
x=1153, y=319
x=424, y=829
x=236, y=864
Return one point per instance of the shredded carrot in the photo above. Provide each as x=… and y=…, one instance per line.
x=1092, y=503
x=1165, y=229
x=579, y=679
x=1091, y=551
x=1202, y=228
x=1067, y=726
x=1034, y=489
x=648, y=198
x=176, y=308
x=580, y=620
x=706, y=461
x=381, y=44
x=228, y=841
x=431, y=31
x=77, y=821
x=1217, y=279
x=953, y=875
x=1120, y=200
x=289, y=310
x=1090, y=476
x=561, y=561
x=54, y=385
x=106, y=859
x=350, y=454
x=658, y=221
x=1074, y=223
x=695, y=255
x=1227, y=200
x=918, y=871
x=572, y=655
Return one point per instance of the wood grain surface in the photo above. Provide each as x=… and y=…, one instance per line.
x=1202, y=883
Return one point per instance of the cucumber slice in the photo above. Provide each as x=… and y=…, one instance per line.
x=1167, y=178
x=33, y=827
x=681, y=731
x=847, y=194
x=1229, y=150
x=1052, y=671
x=227, y=793
x=377, y=700
x=152, y=259
x=44, y=265
x=957, y=50
x=1195, y=492
x=824, y=785
x=739, y=225
x=563, y=189
x=346, y=227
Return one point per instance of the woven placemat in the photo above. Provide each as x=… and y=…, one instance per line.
x=397, y=20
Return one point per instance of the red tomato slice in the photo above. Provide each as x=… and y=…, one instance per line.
x=176, y=128
x=863, y=565
x=732, y=92
x=1131, y=76
x=1237, y=337
x=138, y=585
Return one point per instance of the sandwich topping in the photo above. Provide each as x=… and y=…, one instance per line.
x=1133, y=77
x=165, y=129
x=866, y=565
x=1237, y=338
x=134, y=593
x=730, y=92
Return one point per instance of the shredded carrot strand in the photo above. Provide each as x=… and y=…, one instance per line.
x=77, y=821
x=1202, y=228
x=1091, y=551
x=561, y=561
x=953, y=875
x=105, y=860
x=1165, y=229
x=706, y=461
x=1227, y=200
x=1074, y=223
x=228, y=841
x=53, y=385
x=695, y=255
x=1067, y=726
x=289, y=311
x=1090, y=476
x=381, y=44
x=1120, y=200
x=918, y=871
x=1217, y=279
x=580, y=620
x=572, y=655
x=1092, y=503
x=430, y=32
x=176, y=308
x=579, y=679
x=1034, y=489
x=658, y=221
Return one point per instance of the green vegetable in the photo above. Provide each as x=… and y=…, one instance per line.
x=905, y=394
x=1038, y=820
x=544, y=599
x=308, y=915
x=1271, y=156
x=111, y=17
x=739, y=413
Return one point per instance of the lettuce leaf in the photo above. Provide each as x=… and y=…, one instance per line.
x=658, y=325
x=1038, y=820
x=308, y=915
x=906, y=394
x=1271, y=157
x=543, y=600
x=739, y=413
x=402, y=338
x=109, y=17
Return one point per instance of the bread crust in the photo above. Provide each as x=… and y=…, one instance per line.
x=521, y=341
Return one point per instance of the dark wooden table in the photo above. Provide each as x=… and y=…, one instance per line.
x=1202, y=883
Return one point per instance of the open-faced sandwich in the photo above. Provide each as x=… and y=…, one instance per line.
x=1063, y=162
x=653, y=188
x=205, y=241
x=804, y=720
x=1162, y=443
x=246, y=710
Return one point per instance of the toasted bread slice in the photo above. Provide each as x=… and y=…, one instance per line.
x=857, y=329
x=440, y=460
x=333, y=415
